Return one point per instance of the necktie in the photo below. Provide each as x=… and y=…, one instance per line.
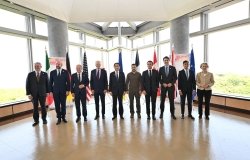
x=38, y=76
x=187, y=73
x=98, y=74
x=59, y=72
x=79, y=77
x=166, y=71
x=150, y=73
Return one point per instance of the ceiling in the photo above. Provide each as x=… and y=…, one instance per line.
x=80, y=11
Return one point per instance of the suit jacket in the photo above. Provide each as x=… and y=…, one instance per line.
x=202, y=79
x=171, y=78
x=59, y=84
x=185, y=84
x=101, y=84
x=146, y=81
x=34, y=87
x=117, y=86
x=75, y=83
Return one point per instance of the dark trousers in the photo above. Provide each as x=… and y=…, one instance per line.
x=102, y=97
x=170, y=91
x=60, y=104
x=187, y=94
x=82, y=98
x=207, y=94
x=151, y=95
x=41, y=100
x=119, y=97
x=131, y=104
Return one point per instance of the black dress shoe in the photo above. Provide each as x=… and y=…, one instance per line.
x=190, y=116
x=182, y=116
x=200, y=116
x=154, y=118
x=114, y=118
x=132, y=116
x=207, y=118
x=121, y=117
x=58, y=122
x=139, y=115
x=96, y=117
x=161, y=115
x=103, y=116
x=148, y=118
x=35, y=123
x=78, y=119
x=173, y=116
x=85, y=119
x=64, y=120
x=45, y=121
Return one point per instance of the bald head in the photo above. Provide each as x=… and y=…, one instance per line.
x=98, y=64
x=58, y=64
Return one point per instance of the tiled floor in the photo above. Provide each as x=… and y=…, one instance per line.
x=223, y=137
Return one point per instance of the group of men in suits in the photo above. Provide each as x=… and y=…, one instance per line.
x=38, y=86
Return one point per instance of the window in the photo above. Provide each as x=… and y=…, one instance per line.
x=100, y=43
x=12, y=20
x=194, y=24
x=148, y=39
x=14, y=65
x=115, y=42
x=229, y=14
x=92, y=57
x=144, y=56
x=164, y=34
x=90, y=41
x=74, y=58
x=228, y=59
x=138, y=42
x=197, y=43
x=110, y=44
x=74, y=37
x=41, y=27
x=164, y=51
x=38, y=47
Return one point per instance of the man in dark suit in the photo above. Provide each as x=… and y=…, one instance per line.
x=99, y=87
x=37, y=88
x=167, y=77
x=186, y=86
x=79, y=81
x=150, y=84
x=60, y=87
x=117, y=89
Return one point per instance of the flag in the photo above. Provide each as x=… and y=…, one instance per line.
x=192, y=68
x=154, y=60
x=49, y=98
x=192, y=62
x=173, y=64
x=120, y=61
x=137, y=61
x=154, y=67
x=86, y=73
x=68, y=68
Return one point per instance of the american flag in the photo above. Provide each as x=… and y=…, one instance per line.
x=86, y=73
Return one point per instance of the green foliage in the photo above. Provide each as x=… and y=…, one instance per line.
x=232, y=84
x=11, y=95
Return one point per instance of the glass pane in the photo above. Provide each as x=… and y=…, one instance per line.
x=129, y=43
x=74, y=57
x=12, y=20
x=110, y=44
x=164, y=51
x=115, y=42
x=148, y=39
x=198, y=47
x=74, y=36
x=101, y=43
x=164, y=34
x=194, y=24
x=145, y=55
x=14, y=65
x=38, y=47
x=229, y=14
x=41, y=28
x=90, y=41
x=138, y=42
x=229, y=60
x=92, y=57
